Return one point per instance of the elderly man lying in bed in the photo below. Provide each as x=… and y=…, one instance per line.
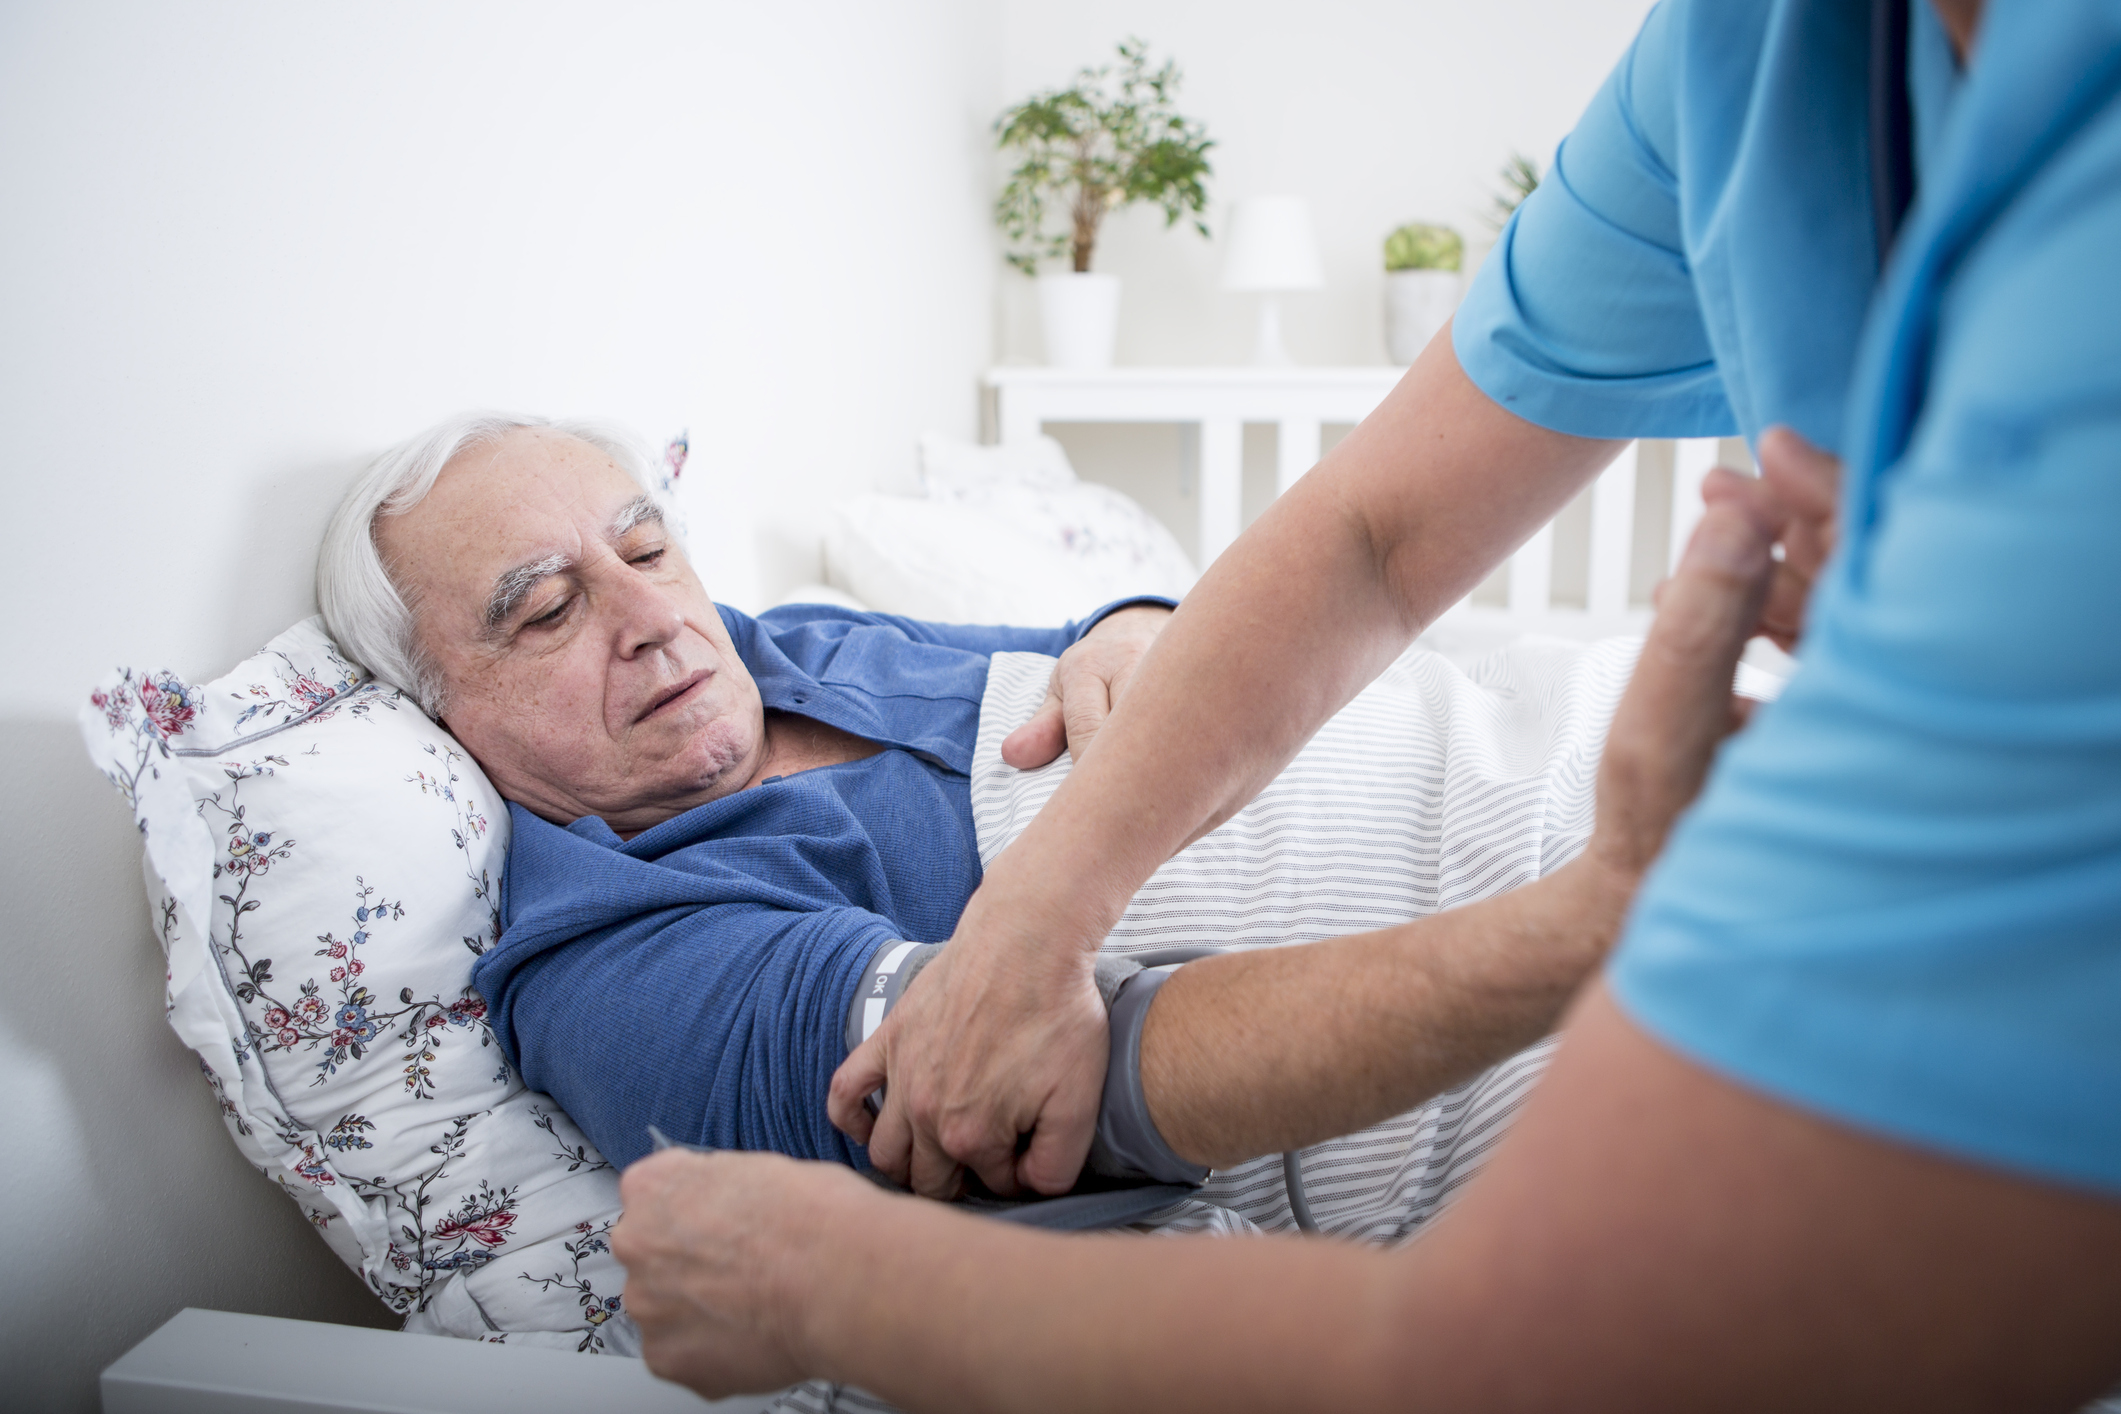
x=728, y=830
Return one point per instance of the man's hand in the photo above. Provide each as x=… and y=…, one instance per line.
x=1087, y=680
x=718, y=1251
x=938, y=1102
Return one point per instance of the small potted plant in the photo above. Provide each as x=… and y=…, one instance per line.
x=1520, y=178
x=1109, y=139
x=1421, y=286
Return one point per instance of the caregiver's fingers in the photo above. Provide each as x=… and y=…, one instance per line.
x=1807, y=478
x=1059, y=1146
x=934, y=1174
x=1782, y=613
x=1678, y=704
x=722, y=1252
x=853, y=1083
x=1040, y=740
x=1712, y=602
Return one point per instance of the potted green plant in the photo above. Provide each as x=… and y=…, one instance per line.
x=1422, y=265
x=1520, y=178
x=1109, y=139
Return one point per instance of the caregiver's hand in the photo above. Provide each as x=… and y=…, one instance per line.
x=1678, y=707
x=1086, y=682
x=1807, y=481
x=938, y=1102
x=719, y=1250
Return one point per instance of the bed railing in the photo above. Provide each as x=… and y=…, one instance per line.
x=1589, y=572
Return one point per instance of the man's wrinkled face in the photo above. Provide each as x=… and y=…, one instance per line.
x=584, y=666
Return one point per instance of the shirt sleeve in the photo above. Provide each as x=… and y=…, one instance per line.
x=707, y=1001
x=1585, y=318
x=720, y=1025
x=1898, y=901
x=971, y=638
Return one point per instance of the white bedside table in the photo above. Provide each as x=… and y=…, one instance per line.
x=1219, y=401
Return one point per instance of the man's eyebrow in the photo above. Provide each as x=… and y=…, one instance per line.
x=514, y=586
x=639, y=510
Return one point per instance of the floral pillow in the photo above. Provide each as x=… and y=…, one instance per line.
x=322, y=863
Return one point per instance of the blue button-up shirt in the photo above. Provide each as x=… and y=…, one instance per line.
x=697, y=977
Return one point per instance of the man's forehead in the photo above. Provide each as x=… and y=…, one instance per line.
x=537, y=469
x=495, y=500
x=506, y=503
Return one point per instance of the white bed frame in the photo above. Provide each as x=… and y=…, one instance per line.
x=219, y=1362
x=1533, y=602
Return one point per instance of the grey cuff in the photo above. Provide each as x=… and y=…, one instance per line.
x=891, y=972
x=896, y=964
x=1127, y=1144
x=1112, y=973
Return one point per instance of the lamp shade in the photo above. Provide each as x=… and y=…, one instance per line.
x=1272, y=246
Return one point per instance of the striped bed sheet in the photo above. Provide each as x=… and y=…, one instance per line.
x=1437, y=786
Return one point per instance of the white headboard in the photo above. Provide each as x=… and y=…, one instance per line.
x=1641, y=511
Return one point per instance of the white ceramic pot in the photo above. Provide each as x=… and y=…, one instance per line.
x=1080, y=317
x=1417, y=303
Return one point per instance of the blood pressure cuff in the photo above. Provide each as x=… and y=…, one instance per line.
x=1127, y=1144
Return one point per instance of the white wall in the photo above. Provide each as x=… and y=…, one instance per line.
x=1378, y=111
x=245, y=245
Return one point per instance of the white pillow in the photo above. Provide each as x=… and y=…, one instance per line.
x=1006, y=535
x=952, y=564
x=1109, y=538
x=821, y=594
x=321, y=861
x=949, y=465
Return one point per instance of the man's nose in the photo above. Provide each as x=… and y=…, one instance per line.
x=647, y=617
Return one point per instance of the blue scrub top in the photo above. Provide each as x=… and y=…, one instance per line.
x=1898, y=901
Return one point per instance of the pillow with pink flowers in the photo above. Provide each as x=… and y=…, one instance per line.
x=321, y=867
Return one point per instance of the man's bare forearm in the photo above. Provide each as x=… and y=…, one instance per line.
x=1403, y=518
x=1279, y=1048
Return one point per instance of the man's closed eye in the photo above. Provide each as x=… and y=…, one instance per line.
x=550, y=617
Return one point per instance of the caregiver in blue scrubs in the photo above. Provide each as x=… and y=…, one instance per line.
x=1839, y=1126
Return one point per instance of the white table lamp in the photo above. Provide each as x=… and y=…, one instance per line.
x=1272, y=251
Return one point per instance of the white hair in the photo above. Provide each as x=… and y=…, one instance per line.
x=368, y=612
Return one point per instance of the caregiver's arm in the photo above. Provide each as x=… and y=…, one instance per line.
x=1006, y=1036
x=1650, y=1237
x=1283, y=1047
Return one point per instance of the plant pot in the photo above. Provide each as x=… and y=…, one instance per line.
x=1079, y=314
x=1417, y=303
